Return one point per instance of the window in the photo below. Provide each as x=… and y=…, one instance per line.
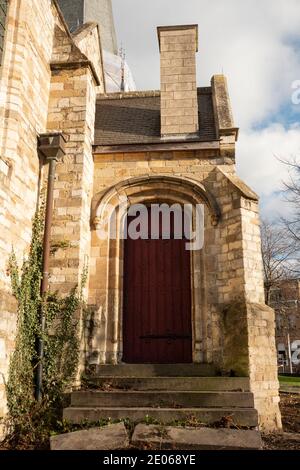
x=3, y=13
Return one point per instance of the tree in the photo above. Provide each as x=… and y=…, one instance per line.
x=279, y=250
x=281, y=258
x=292, y=195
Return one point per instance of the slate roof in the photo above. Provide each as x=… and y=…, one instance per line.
x=134, y=118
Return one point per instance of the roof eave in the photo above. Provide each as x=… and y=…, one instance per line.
x=156, y=147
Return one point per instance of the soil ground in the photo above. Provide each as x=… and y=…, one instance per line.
x=290, y=412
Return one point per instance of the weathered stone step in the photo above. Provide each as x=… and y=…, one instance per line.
x=246, y=417
x=163, y=399
x=158, y=437
x=156, y=370
x=112, y=437
x=171, y=383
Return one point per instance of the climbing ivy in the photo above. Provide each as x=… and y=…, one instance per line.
x=30, y=422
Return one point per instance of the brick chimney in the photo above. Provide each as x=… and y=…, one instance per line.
x=179, y=103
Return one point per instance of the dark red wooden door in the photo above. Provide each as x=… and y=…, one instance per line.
x=157, y=301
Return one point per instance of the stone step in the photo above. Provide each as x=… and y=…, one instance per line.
x=158, y=437
x=112, y=437
x=170, y=383
x=246, y=417
x=163, y=399
x=155, y=370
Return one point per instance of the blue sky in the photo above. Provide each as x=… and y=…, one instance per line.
x=288, y=115
x=256, y=44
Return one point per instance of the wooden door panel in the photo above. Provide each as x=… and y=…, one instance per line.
x=157, y=302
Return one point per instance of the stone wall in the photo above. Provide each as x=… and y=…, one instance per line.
x=232, y=328
x=249, y=325
x=87, y=40
x=8, y=320
x=223, y=244
x=40, y=93
x=24, y=91
x=111, y=170
x=263, y=365
x=260, y=322
x=72, y=103
x=72, y=110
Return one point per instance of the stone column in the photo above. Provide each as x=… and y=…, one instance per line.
x=72, y=111
x=262, y=351
x=248, y=324
x=179, y=102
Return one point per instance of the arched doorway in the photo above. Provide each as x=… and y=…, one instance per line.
x=106, y=294
x=157, y=315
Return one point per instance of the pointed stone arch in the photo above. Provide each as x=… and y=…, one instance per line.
x=174, y=188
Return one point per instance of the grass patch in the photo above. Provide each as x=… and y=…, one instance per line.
x=291, y=381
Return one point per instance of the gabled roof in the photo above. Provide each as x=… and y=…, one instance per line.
x=134, y=118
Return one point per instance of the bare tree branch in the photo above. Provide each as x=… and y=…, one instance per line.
x=292, y=195
x=280, y=253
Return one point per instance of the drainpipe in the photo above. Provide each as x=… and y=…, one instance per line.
x=52, y=148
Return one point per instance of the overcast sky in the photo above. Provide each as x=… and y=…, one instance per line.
x=256, y=44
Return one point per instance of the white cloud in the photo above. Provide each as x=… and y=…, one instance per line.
x=258, y=164
x=258, y=153
x=275, y=207
x=248, y=40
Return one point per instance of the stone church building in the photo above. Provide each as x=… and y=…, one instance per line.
x=155, y=308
